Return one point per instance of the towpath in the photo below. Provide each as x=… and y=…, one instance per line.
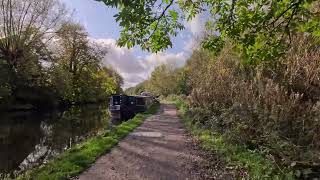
x=160, y=149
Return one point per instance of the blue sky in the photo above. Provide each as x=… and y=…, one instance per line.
x=99, y=22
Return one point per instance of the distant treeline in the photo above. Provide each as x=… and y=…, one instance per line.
x=46, y=60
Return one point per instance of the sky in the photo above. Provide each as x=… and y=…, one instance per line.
x=134, y=65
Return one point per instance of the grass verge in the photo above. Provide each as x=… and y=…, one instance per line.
x=257, y=165
x=72, y=162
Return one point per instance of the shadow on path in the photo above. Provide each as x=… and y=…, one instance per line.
x=158, y=149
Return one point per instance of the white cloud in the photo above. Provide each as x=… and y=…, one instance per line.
x=135, y=69
x=192, y=43
x=196, y=26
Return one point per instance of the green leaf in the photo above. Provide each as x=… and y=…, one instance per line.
x=174, y=15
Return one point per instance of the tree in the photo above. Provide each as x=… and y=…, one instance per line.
x=116, y=77
x=45, y=59
x=75, y=53
x=136, y=90
x=149, y=24
x=25, y=28
x=79, y=60
x=262, y=29
x=163, y=81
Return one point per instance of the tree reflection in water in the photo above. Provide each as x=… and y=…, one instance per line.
x=28, y=139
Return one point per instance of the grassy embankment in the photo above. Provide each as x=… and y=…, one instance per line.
x=256, y=163
x=72, y=162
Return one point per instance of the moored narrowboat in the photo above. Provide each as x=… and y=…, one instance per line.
x=123, y=107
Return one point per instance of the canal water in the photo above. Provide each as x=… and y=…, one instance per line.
x=28, y=139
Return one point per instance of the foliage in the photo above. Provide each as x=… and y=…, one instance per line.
x=101, y=87
x=118, y=80
x=46, y=60
x=136, y=90
x=255, y=163
x=149, y=24
x=75, y=160
x=5, y=88
x=25, y=25
x=270, y=108
x=261, y=29
x=79, y=61
x=257, y=85
x=162, y=81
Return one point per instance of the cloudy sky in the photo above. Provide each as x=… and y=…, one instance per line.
x=133, y=64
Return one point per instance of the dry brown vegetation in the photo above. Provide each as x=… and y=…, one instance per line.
x=271, y=107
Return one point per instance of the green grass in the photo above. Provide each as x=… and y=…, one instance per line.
x=254, y=162
x=72, y=162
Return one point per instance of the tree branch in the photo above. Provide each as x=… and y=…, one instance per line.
x=158, y=19
x=232, y=10
x=285, y=11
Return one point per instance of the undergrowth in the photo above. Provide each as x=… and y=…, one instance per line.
x=255, y=162
x=72, y=162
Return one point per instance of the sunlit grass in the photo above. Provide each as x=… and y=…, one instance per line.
x=72, y=162
x=254, y=162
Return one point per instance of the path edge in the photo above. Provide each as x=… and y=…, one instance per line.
x=74, y=161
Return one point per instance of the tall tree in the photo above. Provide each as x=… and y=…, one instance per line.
x=75, y=53
x=25, y=28
x=116, y=76
x=163, y=81
x=81, y=60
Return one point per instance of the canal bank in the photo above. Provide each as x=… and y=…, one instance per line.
x=31, y=138
x=81, y=156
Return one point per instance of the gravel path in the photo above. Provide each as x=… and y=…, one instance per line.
x=160, y=149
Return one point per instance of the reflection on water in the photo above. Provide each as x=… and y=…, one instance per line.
x=29, y=139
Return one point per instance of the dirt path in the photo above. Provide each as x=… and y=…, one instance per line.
x=160, y=149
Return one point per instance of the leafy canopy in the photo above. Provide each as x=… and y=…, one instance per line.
x=261, y=29
x=149, y=23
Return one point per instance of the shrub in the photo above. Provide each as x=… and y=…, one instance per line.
x=271, y=107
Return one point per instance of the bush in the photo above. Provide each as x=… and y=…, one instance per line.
x=271, y=107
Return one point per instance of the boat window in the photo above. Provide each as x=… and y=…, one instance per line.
x=132, y=100
x=115, y=100
x=140, y=101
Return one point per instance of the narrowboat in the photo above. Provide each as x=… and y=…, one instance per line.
x=123, y=107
